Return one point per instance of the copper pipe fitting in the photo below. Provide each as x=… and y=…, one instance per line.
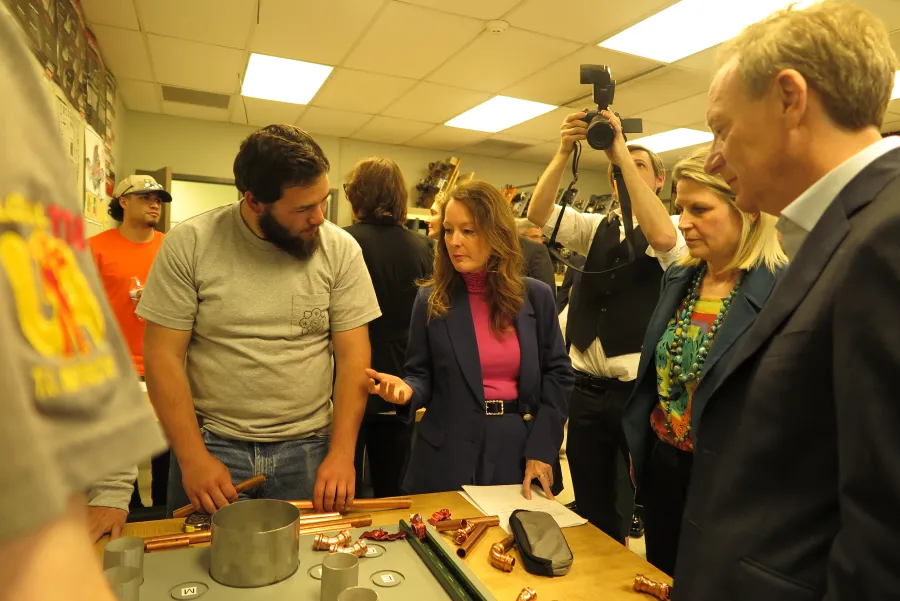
x=257, y=480
x=159, y=543
x=498, y=556
x=659, y=590
x=167, y=545
x=448, y=525
x=465, y=531
x=385, y=503
x=311, y=518
x=469, y=544
x=527, y=594
x=324, y=543
x=359, y=548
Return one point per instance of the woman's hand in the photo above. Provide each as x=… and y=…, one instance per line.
x=544, y=474
x=390, y=388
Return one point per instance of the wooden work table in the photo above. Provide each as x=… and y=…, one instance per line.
x=603, y=569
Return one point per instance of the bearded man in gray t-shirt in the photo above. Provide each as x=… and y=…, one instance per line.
x=253, y=310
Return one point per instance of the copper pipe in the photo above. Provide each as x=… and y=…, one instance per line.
x=357, y=522
x=465, y=531
x=257, y=480
x=359, y=548
x=498, y=556
x=385, y=503
x=659, y=590
x=167, y=545
x=323, y=543
x=448, y=525
x=477, y=535
x=316, y=518
x=527, y=594
x=193, y=538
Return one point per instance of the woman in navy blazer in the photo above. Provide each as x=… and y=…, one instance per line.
x=709, y=300
x=485, y=358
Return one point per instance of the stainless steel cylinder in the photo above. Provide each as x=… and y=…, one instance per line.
x=125, y=582
x=254, y=543
x=358, y=593
x=340, y=571
x=127, y=551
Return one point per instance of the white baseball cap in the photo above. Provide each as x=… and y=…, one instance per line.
x=141, y=184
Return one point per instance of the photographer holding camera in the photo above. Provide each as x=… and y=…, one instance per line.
x=610, y=309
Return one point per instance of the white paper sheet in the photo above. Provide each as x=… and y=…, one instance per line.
x=503, y=500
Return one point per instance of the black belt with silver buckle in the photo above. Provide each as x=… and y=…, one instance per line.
x=494, y=407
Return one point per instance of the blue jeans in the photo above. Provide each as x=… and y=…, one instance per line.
x=290, y=467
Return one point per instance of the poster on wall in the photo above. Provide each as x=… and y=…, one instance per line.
x=95, y=82
x=72, y=54
x=38, y=20
x=94, y=178
x=71, y=129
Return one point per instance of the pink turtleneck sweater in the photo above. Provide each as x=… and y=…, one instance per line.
x=499, y=354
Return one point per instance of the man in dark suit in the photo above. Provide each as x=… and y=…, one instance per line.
x=796, y=478
x=538, y=264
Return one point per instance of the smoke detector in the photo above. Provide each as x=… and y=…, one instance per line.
x=496, y=26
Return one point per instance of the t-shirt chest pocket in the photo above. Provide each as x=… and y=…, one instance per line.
x=309, y=315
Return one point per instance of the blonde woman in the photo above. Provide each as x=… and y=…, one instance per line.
x=708, y=302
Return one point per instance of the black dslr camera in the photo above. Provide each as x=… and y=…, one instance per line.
x=600, y=134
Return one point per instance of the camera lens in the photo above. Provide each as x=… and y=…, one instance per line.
x=600, y=134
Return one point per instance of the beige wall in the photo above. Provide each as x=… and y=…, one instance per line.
x=207, y=148
x=193, y=198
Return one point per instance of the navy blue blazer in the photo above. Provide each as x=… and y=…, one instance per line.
x=751, y=297
x=444, y=371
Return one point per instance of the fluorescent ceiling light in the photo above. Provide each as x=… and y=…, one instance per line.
x=896, y=93
x=283, y=79
x=498, y=113
x=690, y=26
x=675, y=138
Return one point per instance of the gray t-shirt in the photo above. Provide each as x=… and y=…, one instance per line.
x=72, y=411
x=260, y=359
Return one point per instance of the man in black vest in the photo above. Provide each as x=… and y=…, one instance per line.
x=608, y=316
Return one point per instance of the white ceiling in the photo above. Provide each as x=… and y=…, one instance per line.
x=402, y=68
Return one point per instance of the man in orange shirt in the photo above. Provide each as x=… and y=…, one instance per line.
x=124, y=256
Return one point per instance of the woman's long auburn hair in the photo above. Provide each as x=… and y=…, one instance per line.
x=504, y=284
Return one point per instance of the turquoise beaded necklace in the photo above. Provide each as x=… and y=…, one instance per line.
x=680, y=374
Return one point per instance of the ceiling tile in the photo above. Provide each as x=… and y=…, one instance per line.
x=139, y=95
x=266, y=112
x=115, y=13
x=386, y=46
x=360, y=92
x=544, y=128
x=478, y=9
x=192, y=111
x=582, y=20
x=433, y=103
x=195, y=65
x=886, y=10
x=705, y=61
x=680, y=113
x=447, y=138
x=663, y=86
x=649, y=128
x=538, y=154
x=329, y=122
x=199, y=20
x=505, y=137
x=495, y=61
x=124, y=52
x=391, y=131
x=561, y=82
x=318, y=31
x=702, y=126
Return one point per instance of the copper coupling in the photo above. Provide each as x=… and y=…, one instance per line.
x=659, y=590
x=324, y=543
x=527, y=594
x=499, y=555
x=359, y=548
x=466, y=529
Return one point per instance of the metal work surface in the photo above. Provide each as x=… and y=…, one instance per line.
x=393, y=569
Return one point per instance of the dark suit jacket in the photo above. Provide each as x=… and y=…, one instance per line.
x=796, y=480
x=538, y=264
x=395, y=258
x=751, y=297
x=444, y=371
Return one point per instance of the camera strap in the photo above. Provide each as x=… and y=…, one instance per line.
x=568, y=198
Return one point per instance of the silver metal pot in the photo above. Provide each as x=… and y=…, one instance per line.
x=254, y=543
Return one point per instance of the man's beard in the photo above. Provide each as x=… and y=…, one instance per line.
x=277, y=234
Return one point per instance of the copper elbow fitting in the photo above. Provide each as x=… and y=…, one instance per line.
x=469, y=544
x=324, y=543
x=359, y=548
x=659, y=590
x=466, y=529
x=499, y=557
x=527, y=594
